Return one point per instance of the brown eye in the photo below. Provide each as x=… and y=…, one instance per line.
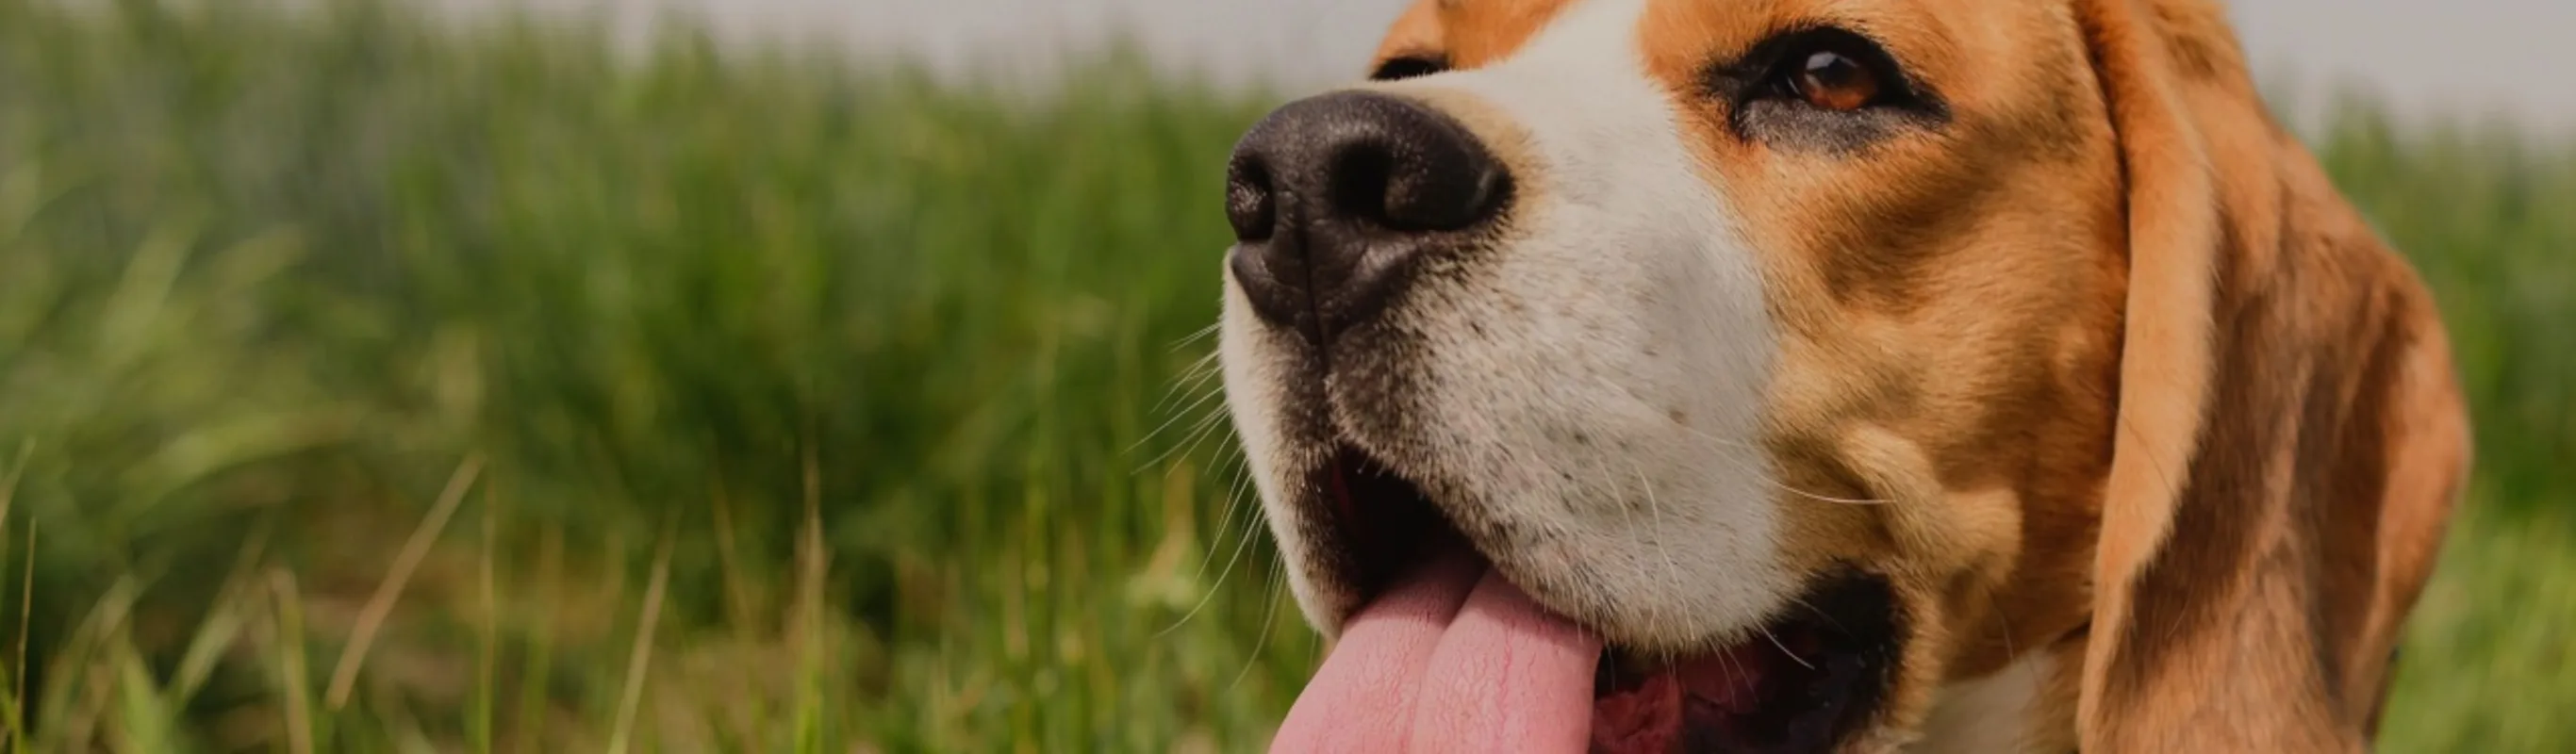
x=1833, y=81
x=1822, y=87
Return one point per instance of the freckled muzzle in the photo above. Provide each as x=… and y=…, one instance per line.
x=1497, y=348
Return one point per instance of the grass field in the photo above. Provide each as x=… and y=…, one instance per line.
x=370, y=387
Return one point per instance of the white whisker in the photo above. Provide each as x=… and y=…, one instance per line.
x=1200, y=334
x=1176, y=416
x=1783, y=486
x=2002, y=621
x=1671, y=567
x=1223, y=527
x=1208, y=426
x=1784, y=649
x=1198, y=432
x=1192, y=378
x=1269, y=616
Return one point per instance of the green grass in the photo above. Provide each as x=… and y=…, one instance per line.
x=691, y=401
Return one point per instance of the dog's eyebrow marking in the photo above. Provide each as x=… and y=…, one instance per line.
x=1410, y=64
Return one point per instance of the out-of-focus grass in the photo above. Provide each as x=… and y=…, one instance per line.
x=758, y=403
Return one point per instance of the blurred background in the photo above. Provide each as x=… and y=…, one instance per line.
x=797, y=375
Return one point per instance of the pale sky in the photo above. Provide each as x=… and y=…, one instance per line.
x=2464, y=57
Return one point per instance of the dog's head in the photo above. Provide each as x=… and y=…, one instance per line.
x=1844, y=367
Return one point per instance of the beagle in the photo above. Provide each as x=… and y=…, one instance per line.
x=1829, y=375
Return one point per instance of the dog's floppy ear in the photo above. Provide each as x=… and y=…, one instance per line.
x=2290, y=436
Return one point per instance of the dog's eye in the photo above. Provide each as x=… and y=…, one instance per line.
x=1400, y=68
x=1833, y=81
x=1821, y=88
x=1833, y=70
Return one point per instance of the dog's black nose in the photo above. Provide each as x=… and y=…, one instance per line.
x=1333, y=198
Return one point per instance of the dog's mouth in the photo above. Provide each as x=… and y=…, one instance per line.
x=1445, y=647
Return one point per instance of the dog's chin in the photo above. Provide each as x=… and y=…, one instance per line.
x=1806, y=679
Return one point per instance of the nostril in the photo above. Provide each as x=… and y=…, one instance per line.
x=1424, y=178
x=1363, y=178
x=1250, y=203
x=1448, y=198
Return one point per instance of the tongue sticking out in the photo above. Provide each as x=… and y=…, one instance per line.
x=1451, y=658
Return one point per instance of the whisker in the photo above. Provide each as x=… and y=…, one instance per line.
x=1777, y=484
x=2002, y=622
x=1193, y=380
x=1269, y=617
x=1734, y=669
x=1176, y=416
x=1200, y=334
x=1672, y=569
x=1223, y=527
x=1827, y=498
x=1207, y=426
x=1821, y=615
x=1192, y=377
x=1240, y=541
x=1198, y=431
x=1784, y=649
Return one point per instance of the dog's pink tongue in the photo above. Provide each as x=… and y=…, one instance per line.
x=1454, y=658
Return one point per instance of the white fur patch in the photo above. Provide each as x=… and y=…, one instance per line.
x=1989, y=715
x=1255, y=394
x=1595, y=380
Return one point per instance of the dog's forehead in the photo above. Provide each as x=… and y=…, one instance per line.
x=1468, y=33
x=1938, y=40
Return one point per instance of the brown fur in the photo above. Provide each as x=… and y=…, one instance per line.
x=1467, y=33
x=2253, y=584
x=2136, y=388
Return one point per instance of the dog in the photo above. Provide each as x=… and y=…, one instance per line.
x=1829, y=375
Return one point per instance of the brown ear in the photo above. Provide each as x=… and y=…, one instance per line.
x=2290, y=434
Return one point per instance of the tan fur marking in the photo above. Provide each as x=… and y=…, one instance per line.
x=1468, y=34
x=1956, y=295
x=2101, y=372
x=1417, y=33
